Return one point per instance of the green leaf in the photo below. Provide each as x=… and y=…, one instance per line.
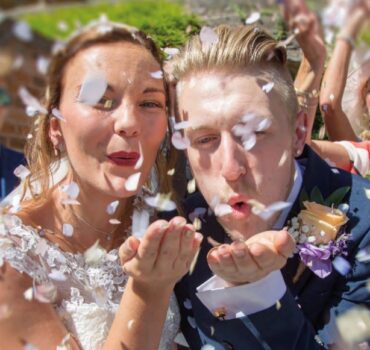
x=337, y=196
x=316, y=196
x=303, y=196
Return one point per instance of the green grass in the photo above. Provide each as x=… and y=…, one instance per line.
x=165, y=21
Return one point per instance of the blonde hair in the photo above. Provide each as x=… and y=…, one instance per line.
x=240, y=48
x=39, y=149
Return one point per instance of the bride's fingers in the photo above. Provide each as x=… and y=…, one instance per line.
x=128, y=249
x=170, y=245
x=150, y=244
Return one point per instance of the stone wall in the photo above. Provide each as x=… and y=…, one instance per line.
x=19, y=67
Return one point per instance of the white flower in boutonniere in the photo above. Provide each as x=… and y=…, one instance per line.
x=319, y=234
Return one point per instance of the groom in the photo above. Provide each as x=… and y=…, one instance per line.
x=249, y=288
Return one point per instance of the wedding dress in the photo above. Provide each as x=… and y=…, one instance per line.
x=85, y=292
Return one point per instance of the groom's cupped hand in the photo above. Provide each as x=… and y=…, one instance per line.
x=249, y=261
x=163, y=255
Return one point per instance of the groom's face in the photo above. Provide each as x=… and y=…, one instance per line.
x=226, y=170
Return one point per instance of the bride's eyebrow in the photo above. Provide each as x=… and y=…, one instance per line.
x=149, y=90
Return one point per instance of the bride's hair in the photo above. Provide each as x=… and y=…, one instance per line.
x=39, y=150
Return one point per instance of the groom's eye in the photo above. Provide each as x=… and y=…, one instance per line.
x=205, y=140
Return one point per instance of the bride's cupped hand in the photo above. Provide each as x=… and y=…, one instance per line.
x=163, y=255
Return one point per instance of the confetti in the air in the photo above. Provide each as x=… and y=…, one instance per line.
x=208, y=347
x=114, y=222
x=140, y=161
x=21, y=172
x=182, y=125
x=92, y=89
x=132, y=182
x=197, y=213
x=157, y=75
x=33, y=106
x=192, y=322
x=208, y=37
x=42, y=64
x=265, y=212
x=67, y=230
x=254, y=17
x=57, y=114
x=71, y=190
x=364, y=255
x=161, y=202
x=140, y=223
x=171, y=172
x=187, y=304
x=222, y=209
x=179, y=141
x=28, y=294
x=45, y=293
x=111, y=207
x=23, y=31
x=268, y=87
x=191, y=186
x=341, y=265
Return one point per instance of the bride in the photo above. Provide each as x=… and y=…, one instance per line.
x=86, y=190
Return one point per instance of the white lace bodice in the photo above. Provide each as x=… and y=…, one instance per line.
x=85, y=292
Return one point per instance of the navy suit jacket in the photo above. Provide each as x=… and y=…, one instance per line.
x=306, y=317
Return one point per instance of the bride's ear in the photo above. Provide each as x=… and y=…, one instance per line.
x=55, y=132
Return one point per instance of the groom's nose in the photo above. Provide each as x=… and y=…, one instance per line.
x=232, y=158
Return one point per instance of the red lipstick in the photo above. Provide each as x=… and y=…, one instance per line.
x=122, y=158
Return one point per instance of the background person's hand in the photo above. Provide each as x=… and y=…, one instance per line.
x=251, y=260
x=163, y=255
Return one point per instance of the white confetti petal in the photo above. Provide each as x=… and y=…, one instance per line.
x=114, y=222
x=197, y=224
x=42, y=64
x=92, y=89
x=182, y=125
x=140, y=223
x=198, y=212
x=265, y=212
x=283, y=158
x=29, y=346
x=45, y=293
x=180, y=142
x=208, y=347
x=249, y=143
x=192, y=322
x=70, y=201
x=28, y=294
x=67, y=230
x=62, y=26
x=191, y=187
x=130, y=324
x=23, y=31
x=268, y=87
x=222, y=209
x=157, y=75
x=33, y=106
x=161, y=202
x=171, y=172
x=21, y=172
x=57, y=275
x=132, y=182
x=187, y=304
x=72, y=190
x=367, y=193
x=140, y=161
x=331, y=97
x=171, y=51
x=208, y=37
x=111, y=207
x=364, y=255
x=341, y=265
x=57, y=114
x=253, y=17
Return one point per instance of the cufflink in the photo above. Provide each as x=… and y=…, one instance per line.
x=219, y=313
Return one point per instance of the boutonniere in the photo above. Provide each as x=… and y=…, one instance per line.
x=318, y=230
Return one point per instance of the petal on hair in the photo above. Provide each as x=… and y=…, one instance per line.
x=93, y=88
x=132, y=182
x=208, y=37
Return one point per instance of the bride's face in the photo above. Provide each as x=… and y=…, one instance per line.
x=107, y=139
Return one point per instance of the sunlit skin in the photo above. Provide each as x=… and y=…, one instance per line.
x=137, y=115
x=224, y=169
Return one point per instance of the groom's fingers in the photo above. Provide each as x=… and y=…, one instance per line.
x=284, y=243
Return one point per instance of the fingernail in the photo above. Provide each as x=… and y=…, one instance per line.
x=180, y=222
x=198, y=237
x=164, y=227
x=188, y=232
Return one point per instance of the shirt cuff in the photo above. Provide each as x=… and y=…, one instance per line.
x=359, y=156
x=241, y=300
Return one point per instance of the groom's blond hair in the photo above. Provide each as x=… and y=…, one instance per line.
x=239, y=49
